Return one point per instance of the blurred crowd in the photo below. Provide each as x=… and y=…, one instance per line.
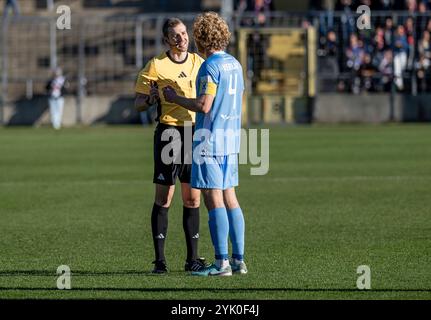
x=261, y=8
x=395, y=50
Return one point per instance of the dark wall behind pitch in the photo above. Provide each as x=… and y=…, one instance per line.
x=371, y=108
x=325, y=108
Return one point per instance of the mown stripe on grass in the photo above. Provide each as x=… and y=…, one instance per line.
x=275, y=179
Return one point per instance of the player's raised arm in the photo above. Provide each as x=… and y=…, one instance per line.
x=201, y=104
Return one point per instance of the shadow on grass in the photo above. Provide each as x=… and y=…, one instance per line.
x=210, y=289
x=10, y=273
x=47, y=273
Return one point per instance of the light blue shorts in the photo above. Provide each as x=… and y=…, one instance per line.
x=215, y=172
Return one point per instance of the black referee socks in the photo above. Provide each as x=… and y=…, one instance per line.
x=159, y=227
x=191, y=231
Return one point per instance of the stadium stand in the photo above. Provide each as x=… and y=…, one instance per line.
x=395, y=49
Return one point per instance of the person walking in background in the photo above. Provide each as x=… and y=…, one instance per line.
x=55, y=88
x=401, y=51
x=13, y=5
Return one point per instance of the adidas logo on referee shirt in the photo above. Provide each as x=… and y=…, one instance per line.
x=182, y=75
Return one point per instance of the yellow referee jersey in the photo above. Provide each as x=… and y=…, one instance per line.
x=179, y=75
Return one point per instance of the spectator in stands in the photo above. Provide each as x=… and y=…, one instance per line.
x=424, y=46
x=389, y=31
x=410, y=31
x=423, y=74
x=354, y=53
x=364, y=2
x=348, y=21
x=426, y=4
x=411, y=6
x=423, y=65
x=383, y=5
x=421, y=18
x=428, y=27
x=261, y=8
x=325, y=11
x=367, y=72
x=262, y=11
x=410, y=34
x=399, y=5
x=379, y=40
x=355, y=56
x=13, y=5
x=408, y=5
x=329, y=54
x=378, y=46
x=386, y=70
x=241, y=8
x=342, y=4
x=401, y=50
x=395, y=50
x=331, y=44
x=366, y=36
x=55, y=89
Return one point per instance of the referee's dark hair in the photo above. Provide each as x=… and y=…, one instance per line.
x=170, y=23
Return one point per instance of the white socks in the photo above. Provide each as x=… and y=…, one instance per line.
x=222, y=263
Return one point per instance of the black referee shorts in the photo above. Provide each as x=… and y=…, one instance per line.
x=171, y=160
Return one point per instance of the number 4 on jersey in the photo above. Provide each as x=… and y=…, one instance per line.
x=232, y=88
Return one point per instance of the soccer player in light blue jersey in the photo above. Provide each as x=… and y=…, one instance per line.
x=216, y=142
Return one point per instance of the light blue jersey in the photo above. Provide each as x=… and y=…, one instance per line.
x=221, y=76
x=217, y=134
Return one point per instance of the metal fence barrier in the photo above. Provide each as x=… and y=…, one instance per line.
x=99, y=54
x=103, y=55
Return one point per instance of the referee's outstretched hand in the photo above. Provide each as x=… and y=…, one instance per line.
x=169, y=93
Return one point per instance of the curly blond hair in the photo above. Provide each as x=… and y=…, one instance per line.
x=211, y=32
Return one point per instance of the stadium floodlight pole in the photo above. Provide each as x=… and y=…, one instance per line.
x=29, y=89
x=53, y=43
x=159, y=24
x=227, y=12
x=139, y=44
x=227, y=9
x=52, y=36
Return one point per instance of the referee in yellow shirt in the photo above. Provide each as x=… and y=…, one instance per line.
x=178, y=68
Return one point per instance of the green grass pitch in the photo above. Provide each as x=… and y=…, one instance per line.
x=335, y=197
